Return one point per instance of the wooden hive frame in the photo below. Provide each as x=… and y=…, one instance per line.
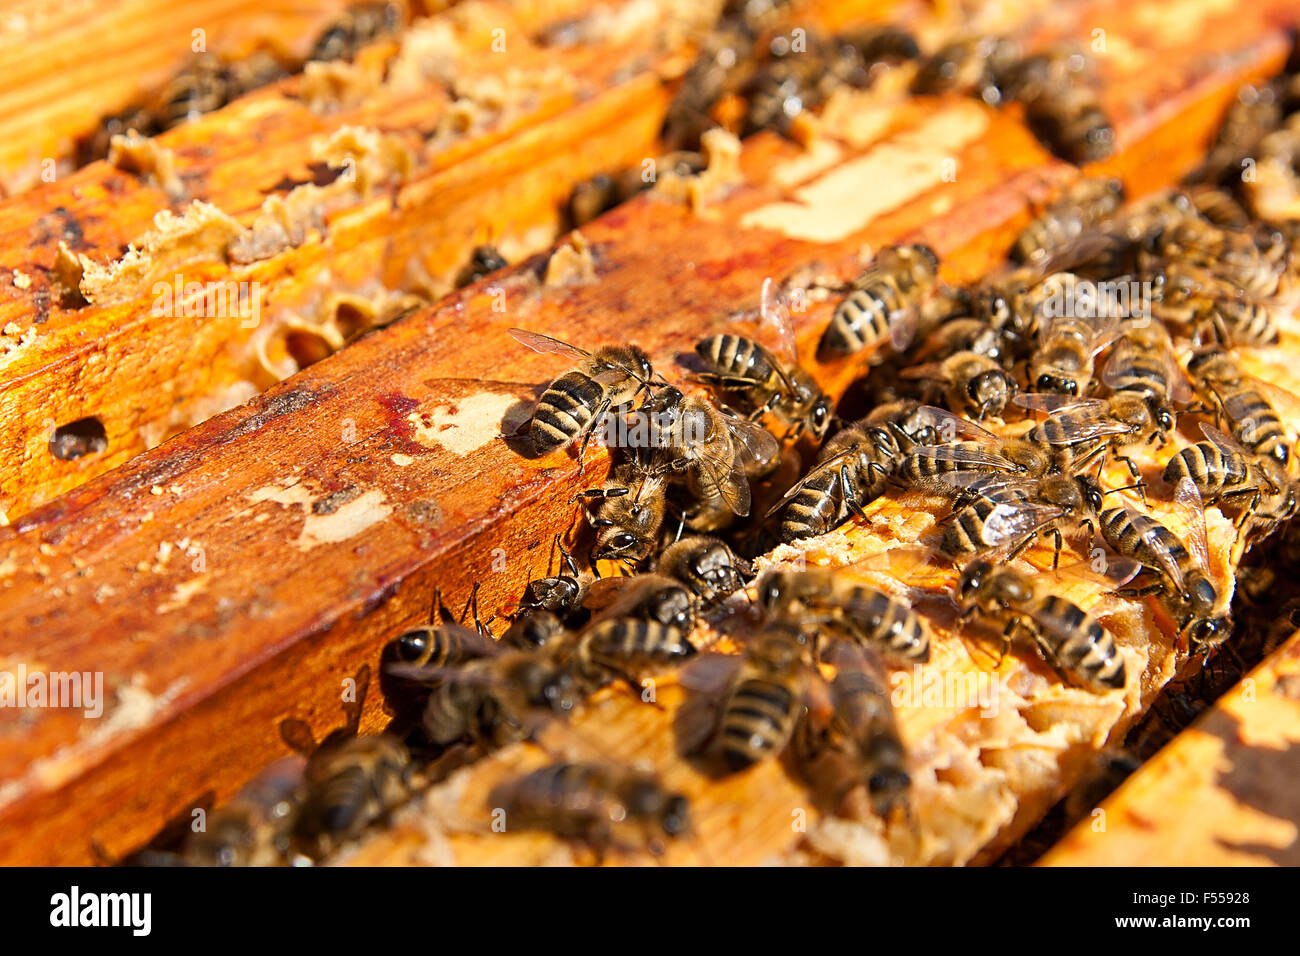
x=236, y=574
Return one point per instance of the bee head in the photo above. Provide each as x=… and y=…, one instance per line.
x=673, y=608
x=887, y=787
x=1203, y=634
x=928, y=255
x=613, y=544
x=771, y=589
x=1090, y=491
x=1281, y=454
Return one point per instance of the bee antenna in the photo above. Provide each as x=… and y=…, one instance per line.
x=1125, y=488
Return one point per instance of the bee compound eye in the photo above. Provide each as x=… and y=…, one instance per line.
x=413, y=644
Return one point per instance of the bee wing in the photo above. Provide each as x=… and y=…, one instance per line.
x=710, y=673
x=730, y=480
x=544, y=343
x=776, y=316
x=1050, y=403
x=1068, y=256
x=1285, y=402
x=1146, y=527
x=949, y=425
x=753, y=442
x=833, y=462
x=906, y=573
x=1109, y=571
x=903, y=324
x=983, y=482
x=1191, y=509
x=965, y=455
x=1010, y=521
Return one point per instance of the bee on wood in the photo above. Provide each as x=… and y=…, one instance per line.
x=256, y=827
x=1225, y=472
x=761, y=694
x=1067, y=637
x=1179, y=564
x=849, y=741
x=707, y=566
x=974, y=384
x=629, y=513
x=1244, y=404
x=443, y=642
x=603, y=806
x=854, y=469
x=823, y=598
x=764, y=381
x=561, y=595
x=1082, y=207
x=1061, y=107
x=484, y=261
x=576, y=403
x=360, y=24
x=886, y=302
x=602, y=192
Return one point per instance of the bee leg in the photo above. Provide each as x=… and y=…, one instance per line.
x=587, y=430
x=1015, y=553
x=1056, y=555
x=1137, y=475
x=1148, y=589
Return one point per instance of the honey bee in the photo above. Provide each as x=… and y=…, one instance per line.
x=785, y=85
x=630, y=510
x=886, y=301
x=350, y=782
x=768, y=384
x=603, y=806
x=853, y=470
x=1063, y=362
x=723, y=66
x=651, y=597
x=1243, y=403
x=707, y=566
x=1142, y=362
x=823, y=598
x=972, y=335
x=969, y=66
x=857, y=744
x=351, y=786
x=1225, y=472
x=628, y=649
x=999, y=513
x=484, y=261
x=716, y=450
x=1219, y=208
x=1179, y=564
x=360, y=24
x=1070, y=120
x=492, y=702
x=1251, y=116
x=256, y=827
x=1068, y=638
x=762, y=697
x=1082, y=207
x=576, y=403
x=442, y=642
x=602, y=192
x=963, y=449
x=1217, y=310
x=975, y=384
x=1122, y=420
x=202, y=87
x=561, y=595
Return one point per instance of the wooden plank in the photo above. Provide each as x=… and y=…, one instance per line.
x=54, y=93
x=1221, y=794
x=146, y=376
x=216, y=592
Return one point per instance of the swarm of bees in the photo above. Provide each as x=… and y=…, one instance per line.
x=1009, y=406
